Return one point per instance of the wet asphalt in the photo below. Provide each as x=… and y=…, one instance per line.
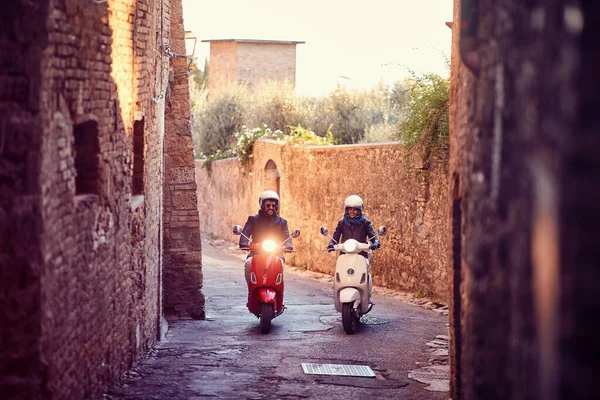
x=226, y=356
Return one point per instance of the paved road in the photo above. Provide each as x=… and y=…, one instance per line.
x=226, y=357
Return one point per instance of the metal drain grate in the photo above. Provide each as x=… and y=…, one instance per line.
x=338, y=369
x=427, y=375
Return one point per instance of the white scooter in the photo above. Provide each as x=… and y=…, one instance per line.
x=352, y=285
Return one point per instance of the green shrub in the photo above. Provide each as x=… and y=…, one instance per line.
x=275, y=105
x=427, y=119
x=246, y=138
x=297, y=136
x=215, y=122
x=344, y=116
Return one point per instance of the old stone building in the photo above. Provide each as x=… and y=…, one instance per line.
x=525, y=146
x=250, y=62
x=97, y=191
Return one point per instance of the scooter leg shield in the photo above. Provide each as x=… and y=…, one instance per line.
x=267, y=295
x=350, y=295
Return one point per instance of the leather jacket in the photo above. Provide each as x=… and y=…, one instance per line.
x=361, y=233
x=260, y=227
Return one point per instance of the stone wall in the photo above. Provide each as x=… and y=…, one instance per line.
x=183, y=251
x=524, y=172
x=399, y=191
x=82, y=132
x=21, y=257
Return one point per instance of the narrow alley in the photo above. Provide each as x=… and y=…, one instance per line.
x=226, y=357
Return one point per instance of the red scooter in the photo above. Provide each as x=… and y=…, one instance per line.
x=265, y=287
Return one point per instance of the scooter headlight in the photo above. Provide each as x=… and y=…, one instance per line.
x=269, y=245
x=350, y=245
x=350, y=271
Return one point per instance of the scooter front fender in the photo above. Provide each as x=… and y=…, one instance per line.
x=350, y=295
x=266, y=295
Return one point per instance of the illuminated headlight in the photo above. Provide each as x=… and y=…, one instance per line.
x=269, y=245
x=350, y=245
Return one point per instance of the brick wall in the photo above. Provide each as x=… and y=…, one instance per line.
x=183, y=255
x=399, y=192
x=21, y=257
x=223, y=66
x=250, y=63
x=257, y=62
x=81, y=244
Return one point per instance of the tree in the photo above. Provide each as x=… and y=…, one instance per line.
x=200, y=77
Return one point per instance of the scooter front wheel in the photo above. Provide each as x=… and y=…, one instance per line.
x=349, y=318
x=266, y=315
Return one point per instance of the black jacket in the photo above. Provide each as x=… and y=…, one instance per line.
x=260, y=227
x=361, y=233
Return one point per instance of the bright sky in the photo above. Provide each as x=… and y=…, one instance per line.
x=357, y=43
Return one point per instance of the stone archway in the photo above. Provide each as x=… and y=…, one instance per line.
x=271, y=177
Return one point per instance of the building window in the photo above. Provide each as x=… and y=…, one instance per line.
x=87, y=152
x=139, y=158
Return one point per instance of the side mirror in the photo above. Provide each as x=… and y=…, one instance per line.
x=382, y=231
x=237, y=230
x=324, y=231
x=295, y=233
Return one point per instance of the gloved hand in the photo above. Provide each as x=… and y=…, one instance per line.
x=374, y=246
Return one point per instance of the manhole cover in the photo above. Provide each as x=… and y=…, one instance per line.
x=337, y=369
x=373, y=320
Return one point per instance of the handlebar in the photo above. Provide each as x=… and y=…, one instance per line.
x=284, y=250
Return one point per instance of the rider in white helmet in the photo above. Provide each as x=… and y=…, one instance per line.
x=354, y=225
x=267, y=224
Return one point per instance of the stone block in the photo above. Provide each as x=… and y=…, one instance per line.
x=185, y=200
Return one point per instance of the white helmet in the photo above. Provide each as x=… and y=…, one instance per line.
x=268, y=195
x=353, y=201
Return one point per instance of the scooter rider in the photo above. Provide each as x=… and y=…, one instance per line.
x=267, y=224
x=354, y=225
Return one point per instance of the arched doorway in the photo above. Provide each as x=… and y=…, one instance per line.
x=271, y=177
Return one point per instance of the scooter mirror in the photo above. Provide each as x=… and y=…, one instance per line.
x=295, y=233
x=324, y=231
x=237, y=230
x=382, y=231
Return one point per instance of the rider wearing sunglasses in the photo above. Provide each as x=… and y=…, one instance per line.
x=267, y=224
